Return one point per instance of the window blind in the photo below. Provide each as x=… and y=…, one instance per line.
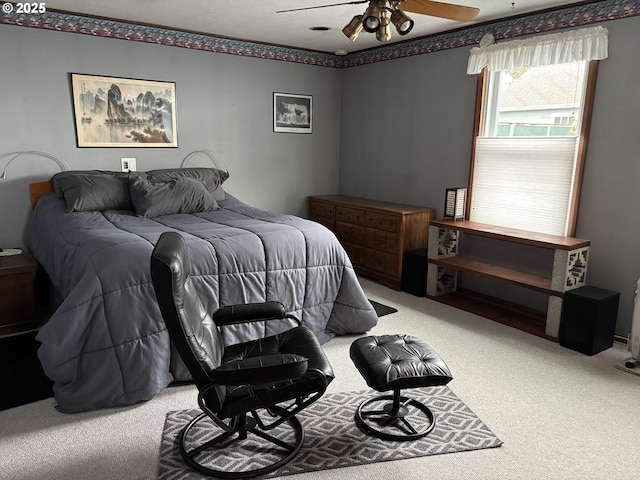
x=524, y=182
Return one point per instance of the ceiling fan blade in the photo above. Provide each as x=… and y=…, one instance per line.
x=439, y=9
x=323, y=6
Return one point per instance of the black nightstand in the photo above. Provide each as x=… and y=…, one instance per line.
x=17, y=298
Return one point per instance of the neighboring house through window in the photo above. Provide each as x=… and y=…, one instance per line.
x=532, y=119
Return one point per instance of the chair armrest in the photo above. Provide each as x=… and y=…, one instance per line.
x=262, y=369
x=250, y=312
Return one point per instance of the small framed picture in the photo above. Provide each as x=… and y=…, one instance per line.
x=292, y=113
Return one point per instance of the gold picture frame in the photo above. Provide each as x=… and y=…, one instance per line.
x=124, y=112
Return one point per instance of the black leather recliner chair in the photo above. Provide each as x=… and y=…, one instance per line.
x=277, y=375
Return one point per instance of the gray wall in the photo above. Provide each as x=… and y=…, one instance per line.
x=398, y=130
x=406, y=136
x=224, y=103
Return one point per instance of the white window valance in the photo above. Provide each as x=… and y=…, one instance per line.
x=564, y=47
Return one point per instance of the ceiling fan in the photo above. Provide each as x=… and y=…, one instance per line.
x=380, y=14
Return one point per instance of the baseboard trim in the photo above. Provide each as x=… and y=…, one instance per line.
x=620, y=338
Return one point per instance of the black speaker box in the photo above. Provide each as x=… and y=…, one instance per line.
x=414, y=272
x=588, y=320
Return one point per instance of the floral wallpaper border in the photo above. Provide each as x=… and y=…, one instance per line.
x=549, y=20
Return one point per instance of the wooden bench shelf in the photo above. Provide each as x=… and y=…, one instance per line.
x=508, y=313
x=524, y=237
x=569, y=272
x=508, y=275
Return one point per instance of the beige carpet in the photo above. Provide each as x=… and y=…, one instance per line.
x=560, y=414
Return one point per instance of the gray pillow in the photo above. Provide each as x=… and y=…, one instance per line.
x=153, y=197
x=211, y=177
x=58, y=177
x=94, y=192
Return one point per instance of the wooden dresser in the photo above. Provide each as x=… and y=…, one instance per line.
x=374, y=234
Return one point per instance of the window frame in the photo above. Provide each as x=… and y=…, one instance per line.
x=482, y=87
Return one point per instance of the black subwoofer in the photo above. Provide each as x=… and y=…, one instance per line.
x=588, y=319
x=414, y=272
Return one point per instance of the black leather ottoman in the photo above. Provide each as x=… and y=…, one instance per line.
x=396, y=362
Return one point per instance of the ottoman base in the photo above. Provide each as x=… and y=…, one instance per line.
x=402, y=419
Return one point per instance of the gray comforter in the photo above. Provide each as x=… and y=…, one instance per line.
x=106, y=345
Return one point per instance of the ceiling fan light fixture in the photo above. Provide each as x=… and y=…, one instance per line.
x=402, y=22
x=372, y=18
x=384, y=32
x=353, y=28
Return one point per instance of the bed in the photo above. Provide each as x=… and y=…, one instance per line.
x=106, y=344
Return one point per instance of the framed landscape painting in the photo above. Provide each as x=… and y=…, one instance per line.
x=123, y=112
x=292, y=113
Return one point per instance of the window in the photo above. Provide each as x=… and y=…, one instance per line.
x=535, y=101
x=532, y=122
x=564, y=120
x=524, y=160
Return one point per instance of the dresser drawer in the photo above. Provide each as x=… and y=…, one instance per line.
x=383, y=240
x=350, y=233
x=327, y=222
x=390, y=223
x=321, y=209
x=381, y=262
x=355, y=253
x=350, y=215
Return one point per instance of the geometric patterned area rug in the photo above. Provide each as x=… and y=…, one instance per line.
x=332, y=440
